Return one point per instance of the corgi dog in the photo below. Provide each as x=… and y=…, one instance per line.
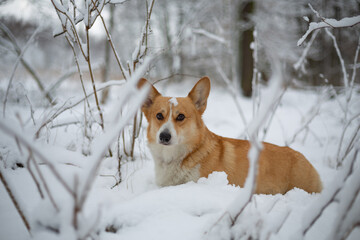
x=184, y=149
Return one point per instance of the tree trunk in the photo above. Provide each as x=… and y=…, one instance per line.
x=246, y=62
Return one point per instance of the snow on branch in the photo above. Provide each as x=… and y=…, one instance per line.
x=344, y=192
x=131, y=96
x=135, y=98
x=329, y=23
x=239, y=204
x=210, y=35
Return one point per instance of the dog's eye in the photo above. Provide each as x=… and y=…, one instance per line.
x=159, y=116
x=180, y=117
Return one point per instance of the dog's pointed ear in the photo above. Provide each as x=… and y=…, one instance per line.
x=200, y=93
x=153, y=93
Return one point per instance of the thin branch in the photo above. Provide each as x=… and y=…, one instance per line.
x=15, y=202
x=301, y=60
x=267, y=126
x=351, y=142
x=173, y=75
x=211, y=36
x=27, y=66
x=117, y=126
x=332, y=197
x=7, y=129
x=16, y=65
x=118, y=60
x=65, y=107
x=353, y=227
x=347, y=124
x=143, y=41
x=349, y=95
x=328, y=23
x=47, y=189
x=313, y=113
x=73, y=27
x=338, y=52
x=231, y=89
x=33, y=176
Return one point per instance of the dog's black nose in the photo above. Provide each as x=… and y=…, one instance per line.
x=165, y=137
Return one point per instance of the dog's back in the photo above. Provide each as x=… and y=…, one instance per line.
x=280, y=168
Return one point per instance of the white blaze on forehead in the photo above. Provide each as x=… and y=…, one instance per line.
x=173, y=101
x=169, y=126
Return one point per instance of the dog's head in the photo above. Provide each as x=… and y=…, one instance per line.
x=174, y=121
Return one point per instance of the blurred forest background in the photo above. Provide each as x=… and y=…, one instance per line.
x=193, y=37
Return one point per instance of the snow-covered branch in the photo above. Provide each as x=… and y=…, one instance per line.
x=103, y=142
x=238, y=205
x=18, y=208
x=342, y=183
x=329, y=23
x=210, y=35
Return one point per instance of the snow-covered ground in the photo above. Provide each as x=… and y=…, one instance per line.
x=138, y=209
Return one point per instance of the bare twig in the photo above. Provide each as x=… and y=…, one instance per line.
x=66, y=106
x=231, y=88
x=33, y=176
x=173, y=75
x=280, y=225
x=16, y=65
x=27, y=66
x=118, y=60
x=332, y=196
x=108, y=138
x=267, y=125
x=211, y=36
x=312, y=114
x=338, y=52
x=301, y=60
x=47, y=189
x=356, y=55
x=15, y=202
x=353, y=227
x=346, y=125
x=6, y=128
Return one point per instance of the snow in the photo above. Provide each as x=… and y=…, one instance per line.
x=117, y=1
x=210, y=35
x=138, y=209
x=329, y=22
x=173, y=101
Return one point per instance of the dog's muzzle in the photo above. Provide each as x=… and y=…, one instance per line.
x=165, y=137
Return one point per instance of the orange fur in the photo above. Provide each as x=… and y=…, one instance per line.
x=196, y=152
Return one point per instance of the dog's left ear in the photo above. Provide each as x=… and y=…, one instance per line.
x=200, y=93
x=153, y=93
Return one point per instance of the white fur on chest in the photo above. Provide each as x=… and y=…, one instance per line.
x=168, y=169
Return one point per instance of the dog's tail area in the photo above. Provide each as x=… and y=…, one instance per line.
x=304, y=175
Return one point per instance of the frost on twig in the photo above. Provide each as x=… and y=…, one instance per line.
x=329, y=23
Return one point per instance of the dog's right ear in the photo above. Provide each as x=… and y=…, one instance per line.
x=153, y=93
